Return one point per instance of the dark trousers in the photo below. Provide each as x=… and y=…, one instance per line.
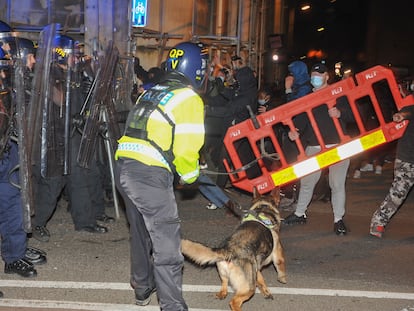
x=48, y=192
x=13, y=236
x=155, y=231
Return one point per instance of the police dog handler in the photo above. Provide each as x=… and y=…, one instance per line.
x=163, y=135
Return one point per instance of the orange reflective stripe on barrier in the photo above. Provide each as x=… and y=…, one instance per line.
x=261, y=155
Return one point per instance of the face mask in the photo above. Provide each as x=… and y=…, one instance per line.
x=412, y=87
x=317, y=81
x=262, y=102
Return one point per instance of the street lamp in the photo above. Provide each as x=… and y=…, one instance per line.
x=305, y=7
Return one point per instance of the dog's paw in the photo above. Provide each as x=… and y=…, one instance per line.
x=221, y=295
x=268, y=296
x=282, y=279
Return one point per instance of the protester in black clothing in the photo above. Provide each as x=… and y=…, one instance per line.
x=218, y=115
x=246, y=91
x=244, y=103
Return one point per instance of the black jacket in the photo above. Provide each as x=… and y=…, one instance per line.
x=245, y=95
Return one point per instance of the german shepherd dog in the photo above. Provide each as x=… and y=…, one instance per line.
x=240, y=258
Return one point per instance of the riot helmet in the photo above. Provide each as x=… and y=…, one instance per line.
x=190, y=60
x=5, y=63
x=4, y=27
x=23, y=48
x=5, y=30
x=63, y=48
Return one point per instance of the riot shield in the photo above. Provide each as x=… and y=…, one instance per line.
x=4, y=122
x=5, y=110
x=24, y=135
x=101, y=101
x=101, y=117
x=49, y=115
x=16, y=79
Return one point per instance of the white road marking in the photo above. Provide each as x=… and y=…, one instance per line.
x=72, y=305
x=186, y=288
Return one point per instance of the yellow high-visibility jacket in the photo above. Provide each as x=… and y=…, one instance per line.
x=185, y=108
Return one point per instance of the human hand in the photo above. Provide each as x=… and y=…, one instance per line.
x=293, y=135
x=289, y=82
x=216, y=60
x=398, y=117
x=261, y=109
x=334, y=112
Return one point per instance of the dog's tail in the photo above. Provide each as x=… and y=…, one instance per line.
x=200, y=253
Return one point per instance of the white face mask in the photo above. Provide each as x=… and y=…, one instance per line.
x=412, y=87
x=317, y=81
x=262, y=102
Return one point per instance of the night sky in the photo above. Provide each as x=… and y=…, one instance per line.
x=345, y=23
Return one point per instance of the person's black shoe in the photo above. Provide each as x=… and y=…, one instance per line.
x=292, y=219
x=145, y=299
x=41, y=234
x=22, y=267
x=1, y=294
x=94, y=229
x=340, y=228
x=105, y=218
x=35, y=256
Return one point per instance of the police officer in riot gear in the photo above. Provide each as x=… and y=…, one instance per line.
x=84, y=76
x=18, y=257
x=62, y=169
x=164, y=133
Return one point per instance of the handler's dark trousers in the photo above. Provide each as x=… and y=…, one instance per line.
x=155, y=231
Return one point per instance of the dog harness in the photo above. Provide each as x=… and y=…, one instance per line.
x=253, y=216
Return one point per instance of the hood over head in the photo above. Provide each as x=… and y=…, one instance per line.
x=299, y=70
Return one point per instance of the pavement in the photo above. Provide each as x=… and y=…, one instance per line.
x=325, y=272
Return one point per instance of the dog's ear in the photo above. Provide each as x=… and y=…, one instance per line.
x=256, y=193
x=275, y=194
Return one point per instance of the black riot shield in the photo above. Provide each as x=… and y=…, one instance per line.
x=100, y=102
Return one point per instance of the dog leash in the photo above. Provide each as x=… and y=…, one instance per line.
x=264, y=155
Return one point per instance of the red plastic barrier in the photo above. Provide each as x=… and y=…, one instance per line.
x=374, y=90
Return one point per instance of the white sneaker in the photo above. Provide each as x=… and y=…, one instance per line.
x=357, y=174
x=367, y=168
x=211, y=206
x=378, y=170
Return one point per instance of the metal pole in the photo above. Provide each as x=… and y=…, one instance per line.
x=111, y=166
x=239, y=25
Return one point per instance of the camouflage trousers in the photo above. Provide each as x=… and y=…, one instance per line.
x=400, y=187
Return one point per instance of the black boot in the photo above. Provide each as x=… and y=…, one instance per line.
x=35, y=256
x=21, y=267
